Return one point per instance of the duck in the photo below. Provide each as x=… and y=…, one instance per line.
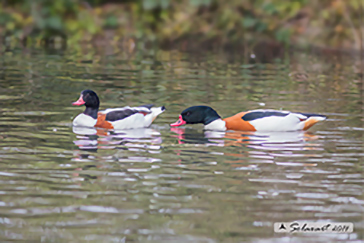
x=254, y=120
x=115, y=118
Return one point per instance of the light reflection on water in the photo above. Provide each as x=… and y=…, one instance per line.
x=60, y=183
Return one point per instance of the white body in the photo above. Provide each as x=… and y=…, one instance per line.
x=291, y=122
x=137, y=120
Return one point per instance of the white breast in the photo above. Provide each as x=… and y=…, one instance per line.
x=83, y=120
x=217, y=125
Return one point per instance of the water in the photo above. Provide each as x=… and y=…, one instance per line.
x=162, y=184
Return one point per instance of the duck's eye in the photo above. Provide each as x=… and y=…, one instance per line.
x=188, y=113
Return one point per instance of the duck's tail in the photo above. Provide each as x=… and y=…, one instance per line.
x=155, y=111
x=312, y=119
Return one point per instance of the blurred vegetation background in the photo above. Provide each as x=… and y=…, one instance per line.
x=330, y=23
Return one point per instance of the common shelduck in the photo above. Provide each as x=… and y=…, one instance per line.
x=254, y=120
x=116, y=118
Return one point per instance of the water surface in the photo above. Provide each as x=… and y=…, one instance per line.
x=162, y=184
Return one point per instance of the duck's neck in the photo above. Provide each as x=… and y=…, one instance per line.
x=210, y=116
x=91, y=111
x=216, y=125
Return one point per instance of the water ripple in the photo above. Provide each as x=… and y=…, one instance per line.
x=162, y=184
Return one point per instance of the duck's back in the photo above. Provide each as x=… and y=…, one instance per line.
x=128, y=117
x=272, y=120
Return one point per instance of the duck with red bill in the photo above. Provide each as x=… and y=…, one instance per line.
x=178, y=123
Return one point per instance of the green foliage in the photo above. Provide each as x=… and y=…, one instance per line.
x=234, y=20
x=153, y=4
x=198, y=3
x=283, y=35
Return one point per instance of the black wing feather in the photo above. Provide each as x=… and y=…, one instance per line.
x=260, y=114
x=312, y=114
x=147, y=106
x=119, y=115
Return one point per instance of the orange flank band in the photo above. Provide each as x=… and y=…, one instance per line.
x=309, y=123
x=144, y=113
x=101, y=122
x=102, y=132
x=236, y=123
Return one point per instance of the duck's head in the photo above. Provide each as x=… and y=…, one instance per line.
x=197, y=114
x=88, y=98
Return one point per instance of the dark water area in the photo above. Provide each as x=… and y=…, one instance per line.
x=163, y=184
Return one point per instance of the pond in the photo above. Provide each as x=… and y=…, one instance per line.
x=184, y=184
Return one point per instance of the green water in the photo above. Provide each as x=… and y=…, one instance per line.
x=165, y=184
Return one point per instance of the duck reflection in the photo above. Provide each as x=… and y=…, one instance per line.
x=237, y=138
x=115, y=145
x=262, y=147
x=92, y=139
